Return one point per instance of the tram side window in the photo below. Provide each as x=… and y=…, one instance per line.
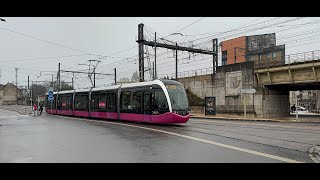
x=65, y=102
x=159, y=100
x=102, y=101
x=126, y=102
x=111, y=101
x=137, y=97
x=99, y=101
x=81, y=102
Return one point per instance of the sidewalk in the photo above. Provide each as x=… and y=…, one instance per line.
x=292, y=118
x=18, y=108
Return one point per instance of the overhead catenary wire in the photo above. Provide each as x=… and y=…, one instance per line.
x=232, y=30
x=169, y=61
x=53, y=57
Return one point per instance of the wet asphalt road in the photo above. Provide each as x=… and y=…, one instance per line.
x=46, y=138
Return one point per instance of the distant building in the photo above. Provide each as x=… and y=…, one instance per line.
x=8, y=94
x=261, y=49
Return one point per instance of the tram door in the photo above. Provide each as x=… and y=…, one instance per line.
x=146, y=105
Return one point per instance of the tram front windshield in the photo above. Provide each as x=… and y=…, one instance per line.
x=178, y=97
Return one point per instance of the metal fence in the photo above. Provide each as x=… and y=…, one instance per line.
x=302, y=57
x=289, y=59
x=190, y=73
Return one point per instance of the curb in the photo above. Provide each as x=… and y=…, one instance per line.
x=262, y=120
x=237, y=119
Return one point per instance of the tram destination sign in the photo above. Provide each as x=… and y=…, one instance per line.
x=247, y=91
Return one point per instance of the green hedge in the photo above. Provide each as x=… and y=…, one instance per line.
x=193, y=99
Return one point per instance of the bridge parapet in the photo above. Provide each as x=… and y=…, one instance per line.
x=302, y=72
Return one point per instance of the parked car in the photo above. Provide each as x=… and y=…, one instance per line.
x=300, y=108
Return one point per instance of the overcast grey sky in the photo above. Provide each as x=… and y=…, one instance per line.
x=35, y=44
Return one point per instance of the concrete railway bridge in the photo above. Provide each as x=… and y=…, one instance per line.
x=299, y=72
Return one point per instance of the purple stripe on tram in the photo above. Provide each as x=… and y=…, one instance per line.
x=162, y=118
x=81, y=113
x=65, y=112
x=105, y=115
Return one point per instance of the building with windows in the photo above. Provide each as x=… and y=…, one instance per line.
x=261, y=49
x=8, y=94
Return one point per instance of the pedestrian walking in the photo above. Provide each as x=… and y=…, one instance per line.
x=41, y=109
x=34, y=108
x=293, y=108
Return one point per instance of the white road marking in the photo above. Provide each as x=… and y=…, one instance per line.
x=250, y=124
x=4, y=117
x=201, y=140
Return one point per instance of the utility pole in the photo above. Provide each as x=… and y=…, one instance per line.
x=17, y=90
x=154, y=73
x=16, y=76
x=52, y=81
x=215, y=57
x=59, y=77
x=94, y=70
x=72, y=80
x=29, y=89
x=214, y=61
x=177, y=62
x=143, y=42
x=94, y=77
x=115, y=76
x=155, y=57
x=141, y=52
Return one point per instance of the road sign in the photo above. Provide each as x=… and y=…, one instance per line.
x=247, y=91
x=50, y=96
